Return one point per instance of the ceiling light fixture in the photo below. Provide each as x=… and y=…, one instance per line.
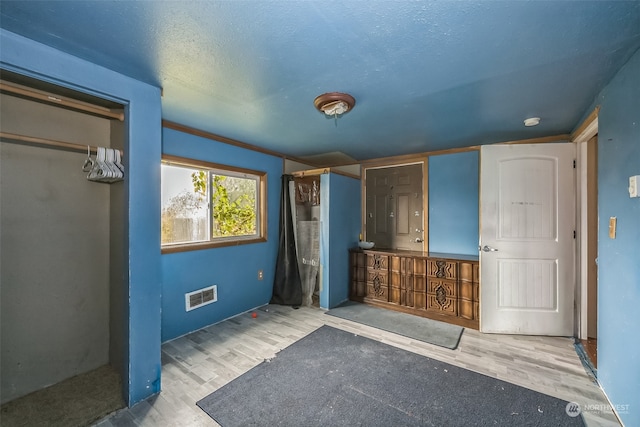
x=532, y=121
x=334, y=103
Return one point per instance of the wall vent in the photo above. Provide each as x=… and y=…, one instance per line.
x=201, y=297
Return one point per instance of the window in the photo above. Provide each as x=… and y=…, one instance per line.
x=207, y=205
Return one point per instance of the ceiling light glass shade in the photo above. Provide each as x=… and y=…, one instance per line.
x=334, y=103
x=532, y=121
x=335, y=108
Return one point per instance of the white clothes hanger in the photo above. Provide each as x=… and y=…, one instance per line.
x=99, y=170
x=114, y=173
x=88, y=163
x=106, y=167
x=119, y=162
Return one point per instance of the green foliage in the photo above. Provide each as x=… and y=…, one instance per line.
x=233, y=203
x=199, y=180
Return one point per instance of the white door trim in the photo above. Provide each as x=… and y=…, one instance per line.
x=587, y=130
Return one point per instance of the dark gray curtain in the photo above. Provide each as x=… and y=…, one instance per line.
x=287, y=286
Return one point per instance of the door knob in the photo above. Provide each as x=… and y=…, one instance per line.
x=486, y=248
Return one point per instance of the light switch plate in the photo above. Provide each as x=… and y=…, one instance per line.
x=634, y=182
x=612, y=227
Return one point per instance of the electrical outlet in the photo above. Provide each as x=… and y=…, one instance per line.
x=260, y=275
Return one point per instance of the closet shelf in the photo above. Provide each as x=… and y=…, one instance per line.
x=44, y=142
x=311, y=172
x=48, y=98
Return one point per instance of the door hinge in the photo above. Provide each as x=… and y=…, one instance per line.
x=574, y=234
x=574, y=163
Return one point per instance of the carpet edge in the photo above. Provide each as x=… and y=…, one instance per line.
x=449, y=347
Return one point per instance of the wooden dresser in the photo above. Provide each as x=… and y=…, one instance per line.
x=439, y=286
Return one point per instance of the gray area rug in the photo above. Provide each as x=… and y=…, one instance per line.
x=408, y=325
x=335, y=378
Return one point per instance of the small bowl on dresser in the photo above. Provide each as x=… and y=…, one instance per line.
x=366, y=245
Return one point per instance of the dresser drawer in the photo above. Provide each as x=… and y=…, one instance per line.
x=441, y=304
x=420, y=300
x=377, y=285
x=406, y=298
x=446, y=287
x=420, y=284
x=466, y=272
x=394, y=295
x=465, y=291
x=377, y=262
x=466, y=309
x=359, y=289
x=378, y=291
x=442, y=269
x=383, y=276
x=419, y=266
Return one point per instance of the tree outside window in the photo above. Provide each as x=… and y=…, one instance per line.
x=206, y=207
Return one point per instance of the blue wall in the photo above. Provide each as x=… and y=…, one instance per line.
x=453, y=203
x=142, y=189
x=340, y=209
x=619, y=258
x=234, y=268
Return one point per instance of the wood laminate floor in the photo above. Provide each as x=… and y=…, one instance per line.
x=197, y=364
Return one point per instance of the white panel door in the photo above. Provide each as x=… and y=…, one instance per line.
x=527, y=223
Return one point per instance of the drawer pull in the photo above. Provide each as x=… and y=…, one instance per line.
x=441, y=295
x=377, y=286
x=377, y=262
x=441, y=272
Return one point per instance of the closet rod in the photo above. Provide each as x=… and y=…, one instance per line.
x=32, y=140
x=64, y=102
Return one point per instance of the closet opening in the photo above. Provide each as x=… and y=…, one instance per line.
x=306, y=214
x=63, y=292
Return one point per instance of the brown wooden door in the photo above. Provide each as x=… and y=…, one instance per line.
x=394, y=214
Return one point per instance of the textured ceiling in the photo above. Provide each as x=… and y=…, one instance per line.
x=426, y=75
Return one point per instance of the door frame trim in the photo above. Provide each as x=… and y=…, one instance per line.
x=587, y=130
